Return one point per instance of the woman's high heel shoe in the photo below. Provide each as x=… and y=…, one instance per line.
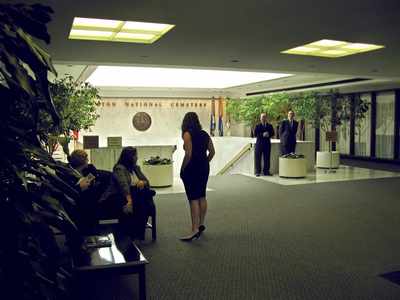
x=201, y=229
x=190, y=237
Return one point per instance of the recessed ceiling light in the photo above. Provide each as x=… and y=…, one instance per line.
x=112, y=76
x=332, y=48
x=117, y=31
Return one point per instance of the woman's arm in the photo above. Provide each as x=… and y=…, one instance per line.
x=187, y=146
x=211, y=150
x=123, y=179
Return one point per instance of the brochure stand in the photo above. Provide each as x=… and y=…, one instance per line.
x=331, y=136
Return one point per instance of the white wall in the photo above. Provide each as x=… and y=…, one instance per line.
x=116, y=119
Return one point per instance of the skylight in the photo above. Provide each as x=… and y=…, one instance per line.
x=332, y=48
x=117, y=31
x=110, y=76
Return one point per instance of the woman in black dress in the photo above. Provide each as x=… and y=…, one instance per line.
x=199, y=151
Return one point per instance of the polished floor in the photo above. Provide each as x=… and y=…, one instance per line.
x=343, y=173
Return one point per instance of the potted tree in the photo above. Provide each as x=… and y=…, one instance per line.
x=76, y=103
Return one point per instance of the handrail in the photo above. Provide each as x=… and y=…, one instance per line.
x=235, y=159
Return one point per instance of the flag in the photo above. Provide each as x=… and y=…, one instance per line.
x=220, y=115
x=212, y=118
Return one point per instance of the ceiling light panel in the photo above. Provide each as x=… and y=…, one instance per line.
x=111, y=76
x=121, y=31
x=332, y=48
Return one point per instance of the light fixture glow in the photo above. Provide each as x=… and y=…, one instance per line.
x=121, y=31
x=139, y=36
x=363, y=47
x=90, y=33
x=305, y=49
x=328, y=43
x=332, y=48
x=110, y=76
x=157, y=27
x=102, y=23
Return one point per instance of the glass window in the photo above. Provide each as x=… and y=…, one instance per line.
x=385, y=125
x=362, y=130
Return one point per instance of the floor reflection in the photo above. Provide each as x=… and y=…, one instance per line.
x=344, y=173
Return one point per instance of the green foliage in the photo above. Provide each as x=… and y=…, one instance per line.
x=248, y=109
x=315, y=108
x=156, y=160
x=76, y=104
x=32, y=196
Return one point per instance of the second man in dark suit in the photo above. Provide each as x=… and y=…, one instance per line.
x=263, y=132
x=287, y=134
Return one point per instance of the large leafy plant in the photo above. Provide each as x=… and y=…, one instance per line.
x=76, y=103
x=33, y=199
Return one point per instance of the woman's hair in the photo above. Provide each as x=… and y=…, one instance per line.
x=191, y=123
x=78, y=158
x=126, y=157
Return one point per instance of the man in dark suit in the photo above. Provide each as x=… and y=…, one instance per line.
x=287, y=134
x=263, y=132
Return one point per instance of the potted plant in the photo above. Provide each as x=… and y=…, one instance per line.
x=76, y=104
x=159, y=171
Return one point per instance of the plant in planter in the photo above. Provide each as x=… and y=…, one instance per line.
x=248, y=109
x=156, y=160
x=33, y=200
x=76, y=103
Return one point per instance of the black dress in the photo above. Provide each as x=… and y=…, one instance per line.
x=195, y=174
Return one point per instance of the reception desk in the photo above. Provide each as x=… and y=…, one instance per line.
x=105, y=158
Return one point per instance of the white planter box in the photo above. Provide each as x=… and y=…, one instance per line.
x=327, y=159
x=292, y=167
x=159, y=175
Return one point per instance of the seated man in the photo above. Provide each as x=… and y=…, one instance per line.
x=90, y=183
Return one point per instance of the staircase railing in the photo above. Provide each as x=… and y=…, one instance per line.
x=235, y=159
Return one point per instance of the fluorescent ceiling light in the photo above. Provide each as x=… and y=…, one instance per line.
x=332, y=48
x=139, y=36
x=91, y=33
x=328, y=43
x=97, y=23
x=305, y=49
x=334, y=52
x=109, y=76
x=117, y=31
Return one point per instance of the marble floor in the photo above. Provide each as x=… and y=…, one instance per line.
x=343, y=173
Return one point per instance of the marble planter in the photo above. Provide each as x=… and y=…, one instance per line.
x=328, y=159
x=292, y=167
x=159, y=175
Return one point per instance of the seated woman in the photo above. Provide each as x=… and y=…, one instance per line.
x=128, y=197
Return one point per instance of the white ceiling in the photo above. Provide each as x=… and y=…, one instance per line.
x=245, y=35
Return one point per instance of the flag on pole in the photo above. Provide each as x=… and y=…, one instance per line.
x=220, y=116
x=212, y=118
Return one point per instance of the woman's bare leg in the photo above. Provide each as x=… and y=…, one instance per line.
x=203, y=210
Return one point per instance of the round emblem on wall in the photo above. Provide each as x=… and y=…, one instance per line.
x=141, y=121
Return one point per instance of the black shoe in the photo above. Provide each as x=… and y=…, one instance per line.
x=257, y=175
x=190, y=237
x=201, y=229
x=267, y=174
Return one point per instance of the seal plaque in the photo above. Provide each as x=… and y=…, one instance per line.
x=141, y=121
